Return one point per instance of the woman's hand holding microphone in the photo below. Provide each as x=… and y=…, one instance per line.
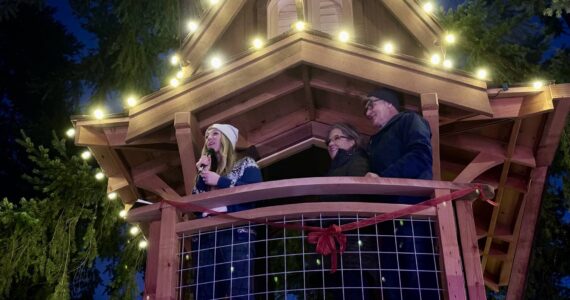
x=203, y=166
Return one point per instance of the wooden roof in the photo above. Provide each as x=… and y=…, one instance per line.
x=284, y=97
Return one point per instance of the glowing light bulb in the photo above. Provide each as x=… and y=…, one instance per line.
x=450, y=38
x=143, y=244
x=123, y=214
x=180, y=74
x=300, y=25
x=174, y=82
x=448, y=64
x=214, y=2
x=131, y=101
x=99, y=176
x=482, y=73
x=174, y=60
x=359, y=243
x=257, y=43
x=86, y=155
x=428, y=7
x=134, y=230
x=537, y=84
x=112, y=196
x=343, y=36
x=98, y=114
x=70, y=132
x=192, y=26
x=435, y=59
x=216, y=62
x=388, y=48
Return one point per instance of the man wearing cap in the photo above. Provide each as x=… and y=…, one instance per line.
x=401, y=148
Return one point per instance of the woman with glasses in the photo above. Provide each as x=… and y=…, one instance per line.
x=344, y=147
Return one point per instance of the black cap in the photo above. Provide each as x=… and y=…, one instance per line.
x=387, y=95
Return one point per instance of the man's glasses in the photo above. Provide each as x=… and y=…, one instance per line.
x=335, y=138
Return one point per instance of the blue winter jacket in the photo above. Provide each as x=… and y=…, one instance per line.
x=402, y=149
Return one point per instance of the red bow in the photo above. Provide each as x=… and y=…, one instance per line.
x=326, y=240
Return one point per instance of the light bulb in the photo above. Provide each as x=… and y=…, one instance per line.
x=537, y=84
x=482, y=73
x=174, y=82
x=435, y=59
x=99, y=176
x=257, y=43
x=192, y=26
x=428, y=7
x=143, y=244
x=448, y=64
x=123, y=214
x=388, y=48
x=180, y=74
x=86, y=155
x=70, y=132
x=299, y=25
x=112, y=196
x=216, y=62
x=450, y=38
x=174, y=60
x=134, y=230
x=98, y=114
x=131, y=101
x=343, y=36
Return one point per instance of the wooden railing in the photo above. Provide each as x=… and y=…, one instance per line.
x=165, y=223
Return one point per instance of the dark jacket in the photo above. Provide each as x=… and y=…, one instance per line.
x=244, y=171
x=402, y=148
x=349, y=163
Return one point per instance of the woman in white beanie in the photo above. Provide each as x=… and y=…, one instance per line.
x=227, y=274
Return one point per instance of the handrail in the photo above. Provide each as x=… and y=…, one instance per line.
x=305, y=187
x=275, y=213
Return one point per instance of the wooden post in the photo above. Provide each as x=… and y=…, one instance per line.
x=167, y=255
x=449, y=250
x=150, y=276
x=182, y=121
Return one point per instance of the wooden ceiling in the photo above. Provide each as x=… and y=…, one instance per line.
x=283, y=99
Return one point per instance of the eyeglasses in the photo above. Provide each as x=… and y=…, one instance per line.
x=336, y=138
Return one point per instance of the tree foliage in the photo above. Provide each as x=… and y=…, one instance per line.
x=52, y=241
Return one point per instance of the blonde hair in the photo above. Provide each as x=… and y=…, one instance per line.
x=227, y=153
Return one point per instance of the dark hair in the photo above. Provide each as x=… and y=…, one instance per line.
x=349, y=131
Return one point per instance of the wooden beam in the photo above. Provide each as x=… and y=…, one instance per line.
x=277, y=127
x=321, y=52
x=501, y=190
x=536, y=104
x=481, y=163
x=449, y=256
x=553, y=129
x=360, y=123
x=290, y=151
x=419, y=23
x=217, y=19
x=263, y=94
x=114, y=166
x=308, y=92
x=522, y=155
x=90, y=136
x=168, y=260
x=186, y=147
x=517, y=281
x=198, y=138
x=156, y=185
x=300, y=8
x=285, y=139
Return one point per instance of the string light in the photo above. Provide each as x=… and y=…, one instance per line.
x=70, y=132
x=134, y=230
x=214, y=2
x=131, y=101
x=318, y=262
x=448, y=64
x=232, y=269
x=388, y=48
x=112, y=196
x=428, y=7
x=359, y=243
x=343, y=36
x=537, y=84
x=180, y=74
x=143, y=244
x=257, y=43
x=174, y=59
x=435, y=59
x=300, y=25
x=174, y=82
x=192, y=26
x=482, y=73
x=99, y=175
x=98, y=114
x=450, y=38
x=86, y=155
x=216, y=62
x=123, y=214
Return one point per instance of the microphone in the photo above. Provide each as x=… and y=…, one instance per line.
x=213, y=160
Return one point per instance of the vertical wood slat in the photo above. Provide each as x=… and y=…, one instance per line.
x=151, y=273
x=167, y=255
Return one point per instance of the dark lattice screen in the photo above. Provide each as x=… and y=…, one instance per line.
x=392, y=260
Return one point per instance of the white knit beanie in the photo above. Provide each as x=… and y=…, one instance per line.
x=229, y=131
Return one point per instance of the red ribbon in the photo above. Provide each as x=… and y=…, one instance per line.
x=326, y=240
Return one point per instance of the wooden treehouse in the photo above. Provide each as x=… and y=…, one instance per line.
x=283, y=97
